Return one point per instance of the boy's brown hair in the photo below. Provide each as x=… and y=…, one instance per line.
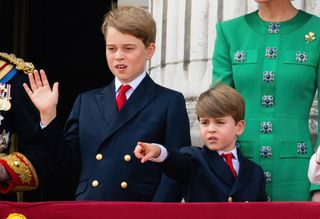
x=219, y=101
x=131, y=20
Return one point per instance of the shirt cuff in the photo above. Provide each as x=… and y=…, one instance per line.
x=163, y=154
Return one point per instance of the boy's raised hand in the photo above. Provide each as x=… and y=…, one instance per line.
x=43, y=97
x=146, y=151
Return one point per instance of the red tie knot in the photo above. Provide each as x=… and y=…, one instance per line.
x=124, y=88
x=227, y=156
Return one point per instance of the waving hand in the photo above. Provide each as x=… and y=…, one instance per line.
x=43, y=97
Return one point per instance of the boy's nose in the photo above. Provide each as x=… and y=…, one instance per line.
x=212, y=128
x=119, y=55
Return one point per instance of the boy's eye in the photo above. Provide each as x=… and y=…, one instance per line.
x=111, y=49
x=203, y=122
x=129, y=48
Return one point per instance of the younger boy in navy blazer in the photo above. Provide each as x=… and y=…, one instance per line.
x=202, y=171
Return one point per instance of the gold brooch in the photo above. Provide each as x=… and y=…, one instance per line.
x=310, y=37
x=16, y=216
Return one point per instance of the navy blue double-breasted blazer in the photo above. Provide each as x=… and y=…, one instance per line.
x=100, y=140
x=205, y=176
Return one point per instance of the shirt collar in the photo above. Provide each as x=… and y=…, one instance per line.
x=234, y=152
x=133, y=84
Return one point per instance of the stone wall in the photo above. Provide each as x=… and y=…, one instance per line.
x=185, y=39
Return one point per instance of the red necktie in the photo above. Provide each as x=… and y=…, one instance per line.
x=228, y=158
x=121, y=98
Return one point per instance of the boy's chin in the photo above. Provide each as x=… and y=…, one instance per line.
x=213, y=147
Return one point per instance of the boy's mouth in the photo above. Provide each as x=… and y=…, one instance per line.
x=121, y=66
x=212, y=139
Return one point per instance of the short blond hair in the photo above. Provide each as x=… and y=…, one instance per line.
x=131, y=20
x=219, y=101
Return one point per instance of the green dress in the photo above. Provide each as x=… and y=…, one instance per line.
x=275, y=67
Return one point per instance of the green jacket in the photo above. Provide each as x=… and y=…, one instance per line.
x=275, y=67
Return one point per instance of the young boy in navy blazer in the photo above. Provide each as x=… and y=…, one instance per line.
x=204, y=173
x=105, y=124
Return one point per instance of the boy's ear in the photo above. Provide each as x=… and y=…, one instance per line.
x=150, y=50
x=240, y=127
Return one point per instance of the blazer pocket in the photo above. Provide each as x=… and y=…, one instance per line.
x=300, y=57
x=240, y=57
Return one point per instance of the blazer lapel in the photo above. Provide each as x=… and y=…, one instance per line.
x=141, y=97
x=106, y=101
x=218, y=166
x=244, y=173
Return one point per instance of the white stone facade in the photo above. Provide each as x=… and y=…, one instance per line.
x=185, y=40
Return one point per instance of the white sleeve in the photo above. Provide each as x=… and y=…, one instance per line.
x=314, y=168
